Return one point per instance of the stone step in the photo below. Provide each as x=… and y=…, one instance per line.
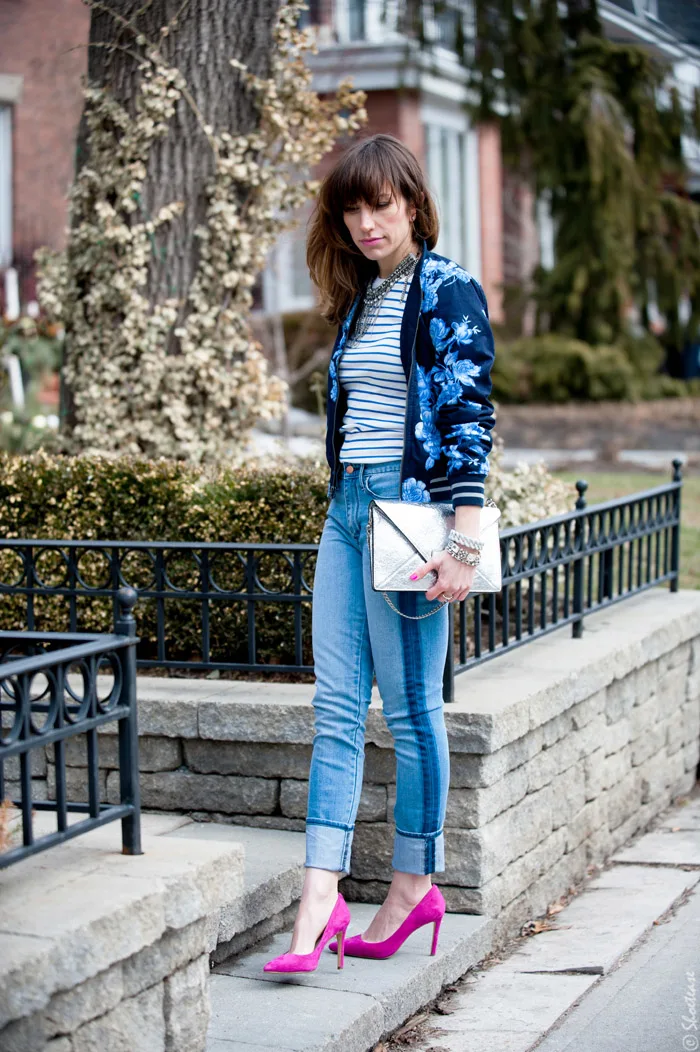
x=332, y=1010
x=85, y=931
x=273, y=875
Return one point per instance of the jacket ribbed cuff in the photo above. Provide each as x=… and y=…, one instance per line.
x=468, y=489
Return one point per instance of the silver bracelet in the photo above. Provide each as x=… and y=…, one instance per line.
x=465, y=541
x=462, y=554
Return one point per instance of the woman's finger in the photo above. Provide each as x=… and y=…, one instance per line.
x=435, y=591
x=423, y=570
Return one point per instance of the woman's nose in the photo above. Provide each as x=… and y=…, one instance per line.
x=366, y=220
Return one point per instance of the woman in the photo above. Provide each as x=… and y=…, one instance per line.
x=409, y=418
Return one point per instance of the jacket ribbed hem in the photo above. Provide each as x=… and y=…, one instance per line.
x=467, y=489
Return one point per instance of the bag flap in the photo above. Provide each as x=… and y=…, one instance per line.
x=394, y=512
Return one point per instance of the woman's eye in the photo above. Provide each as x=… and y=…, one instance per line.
x=383, y=204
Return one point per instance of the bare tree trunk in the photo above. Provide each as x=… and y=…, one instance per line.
x=203, y=36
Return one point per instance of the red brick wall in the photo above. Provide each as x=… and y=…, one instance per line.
x=490, y=184
x=520, y=247
x=36, y=38
x=397, y=113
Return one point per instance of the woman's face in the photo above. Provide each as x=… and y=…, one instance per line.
x=382, y=232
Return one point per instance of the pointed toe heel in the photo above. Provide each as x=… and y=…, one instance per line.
x=430, y=910
x=307, y=962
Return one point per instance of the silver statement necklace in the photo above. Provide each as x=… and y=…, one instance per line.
x=374, y=295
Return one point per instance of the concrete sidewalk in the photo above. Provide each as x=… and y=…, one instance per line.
x=615, y=970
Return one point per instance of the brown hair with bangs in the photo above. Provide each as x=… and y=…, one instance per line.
x=337, y=266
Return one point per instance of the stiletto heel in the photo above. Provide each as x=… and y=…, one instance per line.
x=307, y=962
x=430, y=910
x=341, y=948
x=436, y=932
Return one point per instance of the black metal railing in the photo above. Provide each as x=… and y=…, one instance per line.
x=557, y=570
x=247, y=607
x=41, y=705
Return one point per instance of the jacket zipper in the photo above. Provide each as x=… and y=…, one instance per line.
x=335, y=454
x=334, y=484
x=408, y=389
x=335, y=414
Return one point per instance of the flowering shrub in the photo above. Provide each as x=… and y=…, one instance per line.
x=182, y=378
x=527, y=493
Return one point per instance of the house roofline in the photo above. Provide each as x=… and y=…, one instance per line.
x=649, y=32
x=391, y=66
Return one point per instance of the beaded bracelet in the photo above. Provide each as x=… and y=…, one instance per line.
x=462, y=554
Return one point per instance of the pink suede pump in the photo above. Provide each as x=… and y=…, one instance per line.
x=430, y=909
x=307, y=962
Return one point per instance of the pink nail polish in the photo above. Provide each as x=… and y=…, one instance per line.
x=413, y=576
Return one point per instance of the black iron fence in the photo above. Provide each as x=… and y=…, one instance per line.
x=557, y=570
x=43, y=704
x=246, y=607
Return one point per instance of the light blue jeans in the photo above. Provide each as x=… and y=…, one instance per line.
x=355, y=635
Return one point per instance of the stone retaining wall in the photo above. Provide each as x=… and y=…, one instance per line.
x=100, y=950
x=155, y=1001
x=560, y=752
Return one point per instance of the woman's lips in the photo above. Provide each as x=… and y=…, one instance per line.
x=370, y=240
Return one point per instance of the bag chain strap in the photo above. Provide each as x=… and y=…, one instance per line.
x=414, y=617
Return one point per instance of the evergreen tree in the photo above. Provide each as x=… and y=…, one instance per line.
x=597, y=127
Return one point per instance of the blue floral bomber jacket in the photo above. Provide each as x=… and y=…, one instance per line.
x=447, y=352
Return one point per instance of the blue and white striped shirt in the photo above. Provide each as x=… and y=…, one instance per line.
x=372, y=374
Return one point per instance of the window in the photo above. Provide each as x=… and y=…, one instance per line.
x=300, y=282
x=5, y=185
x=546, y=231
x=447, y=22
x=312, y=15
x=452, y=165
x=447, y=26
x=357, y=19
x=286, y=282
x=365, y=21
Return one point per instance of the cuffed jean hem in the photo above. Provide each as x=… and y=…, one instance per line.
x=328, y=846
x=414, y=853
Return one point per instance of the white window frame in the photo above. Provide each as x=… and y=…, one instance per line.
x=382, y=31
x=465, y=246
x=377, y=31
x=6, y=207
x=546, y=230
x=463, y=8
x=279, y=296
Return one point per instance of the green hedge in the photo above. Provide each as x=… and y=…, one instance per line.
x=555, y=368
x=55, y=497
x=80, y=498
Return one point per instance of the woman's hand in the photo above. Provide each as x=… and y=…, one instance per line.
x=454, y=577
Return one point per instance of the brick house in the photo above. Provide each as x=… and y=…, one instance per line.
x=42, y=57
x=490, y=223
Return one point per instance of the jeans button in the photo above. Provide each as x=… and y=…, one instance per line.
x=349, y=469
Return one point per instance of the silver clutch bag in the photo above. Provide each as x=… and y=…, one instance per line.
x=403, y=535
